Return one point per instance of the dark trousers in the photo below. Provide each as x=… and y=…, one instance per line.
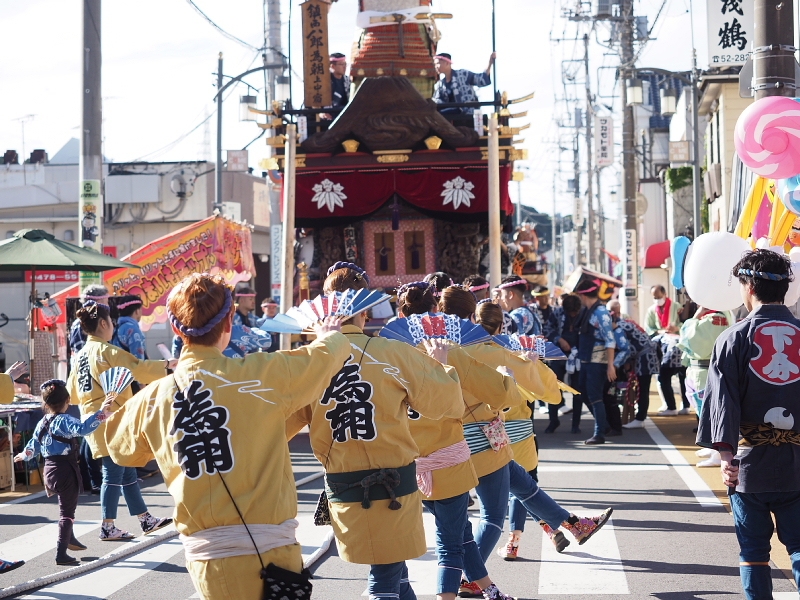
x=91, y=468
x=665, y=376
x=643, y=402
x=613, y=413
x=559, y=367
x=590, y=386
x=62, y=478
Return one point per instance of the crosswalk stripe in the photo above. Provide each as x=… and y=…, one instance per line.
x=112, y=578
x=595, y=568
x=704, y=494
x=42, y=539
x=601, y=468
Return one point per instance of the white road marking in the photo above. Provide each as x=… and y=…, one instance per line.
x=784, y=595
x=311, y=537
x=594, y=568
x=112, y=578
x=704, y=495
x=42, y=539
x=22, y=499
x=601, y=468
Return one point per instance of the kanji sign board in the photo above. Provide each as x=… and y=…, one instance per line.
x=730, y=32
x=316, y=61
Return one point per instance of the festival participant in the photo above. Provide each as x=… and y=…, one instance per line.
x=97, y=356
x=228, y=483
x=478, y=286
x=245, y=305
x=697, y=338
x=569, y=320
x=438, y=281
x=752, y=403
x=446, y=471
x=128, y=334
x=512, y=300
x=359, y=431
x=523, y=486
x=646, y=360
x=548, y=317
x=458, y=85
x=77, y=338
x=270, y=308
x=596, y=346
x=340, y=82
x=624, y=357
x=56, y=439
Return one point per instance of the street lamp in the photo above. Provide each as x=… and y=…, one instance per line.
x=669, y=102
x=669, y=108
x=635, y=92
x=245, y=104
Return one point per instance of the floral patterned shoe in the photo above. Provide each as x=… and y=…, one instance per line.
x=582, y=528
x=556, y=536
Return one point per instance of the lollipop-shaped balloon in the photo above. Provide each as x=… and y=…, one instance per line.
x=767, y=137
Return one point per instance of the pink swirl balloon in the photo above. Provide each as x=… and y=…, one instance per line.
x=767, y=137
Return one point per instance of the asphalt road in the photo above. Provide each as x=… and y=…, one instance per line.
x=671, y=537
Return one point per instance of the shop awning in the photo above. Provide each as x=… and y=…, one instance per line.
x=656, y=254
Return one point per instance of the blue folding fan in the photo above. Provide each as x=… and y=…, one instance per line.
x=280, y=323
x=115, y=380
x=412, y=330
x=344, y=304
x=517, y=343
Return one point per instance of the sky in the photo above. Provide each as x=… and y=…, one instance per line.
x=159, y=56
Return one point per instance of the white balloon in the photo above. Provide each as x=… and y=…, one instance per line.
x=707, y=273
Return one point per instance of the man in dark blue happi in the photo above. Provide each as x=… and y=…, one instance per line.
x=458, y=85
x=752, y=410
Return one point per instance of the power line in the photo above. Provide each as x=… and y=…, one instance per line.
x=230, y=36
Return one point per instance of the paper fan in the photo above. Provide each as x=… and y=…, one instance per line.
x=280, y=323
x=517, y=343
x=412, y=330
x=345, y=304
x=115, y=380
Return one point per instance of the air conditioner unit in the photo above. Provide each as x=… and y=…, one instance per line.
x=603, y=8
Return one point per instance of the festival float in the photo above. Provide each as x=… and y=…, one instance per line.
x=389, y=182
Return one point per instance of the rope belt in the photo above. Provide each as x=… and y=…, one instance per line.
x=372, y=484
x=763, y=434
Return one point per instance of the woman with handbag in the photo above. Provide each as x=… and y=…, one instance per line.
x=492, y=455
x=96, y=357
x=216, y=427
x=359, y=431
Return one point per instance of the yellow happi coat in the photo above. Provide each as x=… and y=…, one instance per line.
x=477, y=379
x=531, y=374
x=6, y=389
x=245, y=404
x=391, y=378
x=483, y=408
x=84, y=387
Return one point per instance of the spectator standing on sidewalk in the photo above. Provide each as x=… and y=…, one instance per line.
x=752, y=410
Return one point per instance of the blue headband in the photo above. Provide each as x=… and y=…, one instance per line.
x=53, y=383
x=763, y=275
x=360, y=273
x=420, y=285
x=198, y=331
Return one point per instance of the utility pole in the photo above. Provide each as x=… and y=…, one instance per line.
x=578, y=210
x=697, y=194
x=218, y=167
x=630, y=227
x=773, y=52
x=601, y=227
x=590, y=230
x=554, y=266
x=90, y=165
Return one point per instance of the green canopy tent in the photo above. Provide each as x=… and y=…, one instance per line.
x=32, y=249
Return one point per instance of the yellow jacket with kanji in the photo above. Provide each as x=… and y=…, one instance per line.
x=483, y=407
x=431, y=435
x=243, y=404
x=530, y=374
x=381, y=381
x=84, y=387
x=6, y=389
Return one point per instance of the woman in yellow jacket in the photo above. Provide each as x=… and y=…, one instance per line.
x=359, y=431
x=96, y=357
x=520, y=427
x=217, y=429
x=448, y=474
x=497, y=472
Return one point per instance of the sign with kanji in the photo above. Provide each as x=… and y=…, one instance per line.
x=630, y=276
x=730, y=32
x=603, y=141
x=316, y=69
